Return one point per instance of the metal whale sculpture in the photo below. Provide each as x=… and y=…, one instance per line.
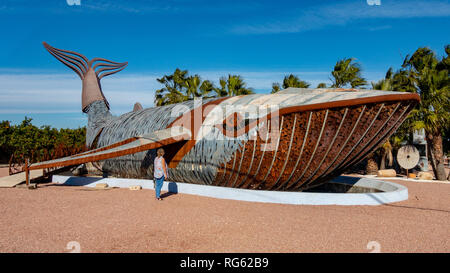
x=292, y=140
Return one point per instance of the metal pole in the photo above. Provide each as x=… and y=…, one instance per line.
x=27, y=172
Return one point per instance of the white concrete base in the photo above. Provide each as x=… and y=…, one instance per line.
x=391, y=192
x=404, y=179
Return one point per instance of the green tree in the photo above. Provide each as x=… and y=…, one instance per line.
x=5, y=136
x=28, y=141
x=275, y=87
x=322, y=85
x=294, y=81
x=429, y=77
x=233, y=85
x=173, y=90
x=195, y=87
x=289, y=81
x=385, y=152
x=347, y=73
x=180, y=87
x=385, y=84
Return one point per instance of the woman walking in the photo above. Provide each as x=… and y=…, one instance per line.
x=160, y=172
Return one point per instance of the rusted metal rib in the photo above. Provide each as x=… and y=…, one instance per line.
x=264, y=151
x=388, y=132
x=329, y=147
x=239, y=169
x=274, y=154
x=224, y=181
x=355, y=145
x=345, y=143
x=362, y=137
x=288, y=153
x=324, y=174
x=314, y=151
x=300, y=155
x=250, y=167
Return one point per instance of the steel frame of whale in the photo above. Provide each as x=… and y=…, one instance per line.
x=320, y=133
x=391, y=112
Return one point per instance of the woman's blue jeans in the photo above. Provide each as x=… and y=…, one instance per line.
x=159, y=184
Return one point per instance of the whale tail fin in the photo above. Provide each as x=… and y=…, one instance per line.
x=81, y=65
x=89, y=71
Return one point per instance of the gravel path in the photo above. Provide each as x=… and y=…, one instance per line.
x=4, y=171
x=120, y=220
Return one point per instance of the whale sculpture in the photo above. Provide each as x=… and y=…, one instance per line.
x=292, y=140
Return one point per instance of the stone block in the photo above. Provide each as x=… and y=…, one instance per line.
x=387, y=173
x=101, y=186
x=425, y=176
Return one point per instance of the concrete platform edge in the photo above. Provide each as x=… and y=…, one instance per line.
x=392, y=192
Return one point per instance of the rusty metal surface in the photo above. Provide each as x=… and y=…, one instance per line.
x=310, y=155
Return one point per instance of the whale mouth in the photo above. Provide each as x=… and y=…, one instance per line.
x=313, y=143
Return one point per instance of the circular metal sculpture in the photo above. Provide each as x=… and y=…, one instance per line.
x=292, y=140
x=408, y=157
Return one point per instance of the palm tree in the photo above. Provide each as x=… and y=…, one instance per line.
x=196, y=88
x=180, y=87
x=346, y=72
x=294, y=81
x=385, y=84
x=206, y=88
x=275, y=87
x=289, y=81
x=430, y=79
x=386, y=155
x=172, y=92
x=322, y=85
x=234, y=85
x=386, y=150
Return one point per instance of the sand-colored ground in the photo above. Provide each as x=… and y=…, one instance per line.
x=4, y=171
x=120, y=220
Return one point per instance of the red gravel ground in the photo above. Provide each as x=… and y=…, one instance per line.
x=120, y=220
x=4, y=171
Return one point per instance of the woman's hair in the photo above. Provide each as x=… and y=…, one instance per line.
x=160, y=152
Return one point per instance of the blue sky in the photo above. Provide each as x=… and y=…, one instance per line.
x=260, y=40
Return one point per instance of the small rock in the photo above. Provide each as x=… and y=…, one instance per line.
x=135, y=188
x=101, y=185
x=387, y=173
x=425, y=176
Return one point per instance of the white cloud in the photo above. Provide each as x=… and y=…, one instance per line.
x=341, y=14
x=61, y=93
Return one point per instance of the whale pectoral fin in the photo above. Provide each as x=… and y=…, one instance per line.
x=105, y=67
x=132, y=145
